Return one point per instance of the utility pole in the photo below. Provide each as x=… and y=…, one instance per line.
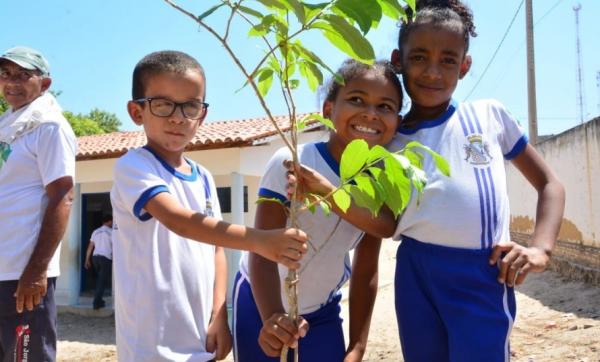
x=598, y=86
x=580, y=88
x=531, y=97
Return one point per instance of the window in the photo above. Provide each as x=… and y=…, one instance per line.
x=224, y=194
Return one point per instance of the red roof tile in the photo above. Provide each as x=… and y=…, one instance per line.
x=211, y=135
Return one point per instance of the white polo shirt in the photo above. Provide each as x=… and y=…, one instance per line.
x=470, y=208
x=102, y=238
x=163, y=282
x=326, y=266
x=27, y=166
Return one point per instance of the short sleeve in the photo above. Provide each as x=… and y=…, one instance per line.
x=136, y=181
x=56, y=150
x=273, y=184
x=512, y=139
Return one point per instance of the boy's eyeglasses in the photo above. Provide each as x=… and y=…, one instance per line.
x=163, y=107
x=20, y=77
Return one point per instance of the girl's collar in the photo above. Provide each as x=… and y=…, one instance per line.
x=431, y=122
x=328, y=157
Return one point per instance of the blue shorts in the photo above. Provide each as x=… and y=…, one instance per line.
x=450, y=306
x=31, y=335
x=323, y=342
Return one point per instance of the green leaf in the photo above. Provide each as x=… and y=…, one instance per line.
x=372, y=193
x=325, y=206
x=397, y=185
x=440, y=162
x=209, y=11
x=312, y=74
x=415, y=158
x=392, y=9
x=250, y=11
x=297, y=8
x=353, y=158
x=325, y=121
x=312, y=10
x=377, y=152
x=345, y=37
x=311, y=208
x=342, y=199
x=362, y=199
x=311, y=57
x=265, y=79
x=294, y=83
x=273, y=4
x=366, y=13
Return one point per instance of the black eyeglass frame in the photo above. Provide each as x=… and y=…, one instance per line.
x=176, y=105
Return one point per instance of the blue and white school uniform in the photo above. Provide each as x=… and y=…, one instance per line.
x=324, y=269
x=449, y=304
x=163, y=282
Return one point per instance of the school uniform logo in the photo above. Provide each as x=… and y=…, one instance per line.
x=5, y=151
x=477, y=150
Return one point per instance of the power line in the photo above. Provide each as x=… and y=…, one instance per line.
x=496, y=51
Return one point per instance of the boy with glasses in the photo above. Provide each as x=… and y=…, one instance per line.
x=168, y=237
x=37, y=165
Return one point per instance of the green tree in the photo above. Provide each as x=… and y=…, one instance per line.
x=83, y=125
x=107, y=121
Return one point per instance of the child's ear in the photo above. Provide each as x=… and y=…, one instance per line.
x=396, y=60
x=135, y=111
x=465, y=66
x=326, y=111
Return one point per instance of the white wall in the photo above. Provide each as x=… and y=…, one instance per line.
x=575, y=157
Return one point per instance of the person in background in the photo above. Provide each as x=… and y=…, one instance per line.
x=99, y=255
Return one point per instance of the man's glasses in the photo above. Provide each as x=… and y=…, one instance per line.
x=20, y=77
x=162, y=107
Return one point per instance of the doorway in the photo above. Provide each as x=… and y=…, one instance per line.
x=93, y=207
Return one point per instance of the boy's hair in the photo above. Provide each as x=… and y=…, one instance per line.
x=351, y=69
x=166, y=61
x=106, y=218
x=450, y=13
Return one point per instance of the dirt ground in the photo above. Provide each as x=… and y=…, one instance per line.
x=557, y=320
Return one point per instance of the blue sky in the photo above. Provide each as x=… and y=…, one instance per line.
x=93, y=45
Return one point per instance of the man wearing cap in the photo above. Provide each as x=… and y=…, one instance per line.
x=37, y=166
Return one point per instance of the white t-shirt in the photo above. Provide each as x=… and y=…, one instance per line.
x=27, y=166
x=470, y=208
x=102, y=238
x=163, y=282
x=322, y=273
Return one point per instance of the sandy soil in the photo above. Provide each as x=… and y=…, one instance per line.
x=557, y=320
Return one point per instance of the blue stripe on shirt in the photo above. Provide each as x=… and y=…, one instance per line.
x=517, y=148
x=143, y=200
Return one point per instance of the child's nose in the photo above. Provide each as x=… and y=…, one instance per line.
x=433, y=70
x=177, y=117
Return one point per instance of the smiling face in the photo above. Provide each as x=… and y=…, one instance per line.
x=366, y=107
x=168, y=136
x=20, y=86
x=432, y=60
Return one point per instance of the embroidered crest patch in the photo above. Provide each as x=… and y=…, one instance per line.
x=477, y=150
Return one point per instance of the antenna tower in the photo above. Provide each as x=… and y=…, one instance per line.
x=580, y=94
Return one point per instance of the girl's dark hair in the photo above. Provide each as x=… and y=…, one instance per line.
x=352, y=69
x=450, y=13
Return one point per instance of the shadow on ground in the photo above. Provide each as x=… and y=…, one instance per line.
x=560, y=294
x=94, y=330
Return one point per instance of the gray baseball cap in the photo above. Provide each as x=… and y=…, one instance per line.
x=27, y=58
